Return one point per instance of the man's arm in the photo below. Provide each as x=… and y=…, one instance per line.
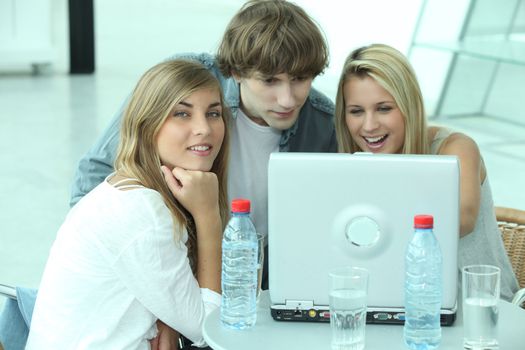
x=97, y=163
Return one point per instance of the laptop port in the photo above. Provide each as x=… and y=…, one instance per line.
x=400, y=316
x=324, y=314
x=297, y=313
x=382, y=316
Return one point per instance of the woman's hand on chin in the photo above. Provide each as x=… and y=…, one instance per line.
x=197, y=191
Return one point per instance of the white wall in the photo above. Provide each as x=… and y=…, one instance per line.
x=33, y=32
x=346, y=24
x=352, y=24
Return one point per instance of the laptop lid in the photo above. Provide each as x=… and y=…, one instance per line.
x=327, y=210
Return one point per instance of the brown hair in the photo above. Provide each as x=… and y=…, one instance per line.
x=272, y=37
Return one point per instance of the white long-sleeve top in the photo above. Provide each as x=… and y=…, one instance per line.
x=113, y=270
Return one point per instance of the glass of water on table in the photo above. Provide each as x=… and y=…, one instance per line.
x=480, y=289
x=348, y=302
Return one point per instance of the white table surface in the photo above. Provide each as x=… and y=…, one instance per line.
x=275, y=335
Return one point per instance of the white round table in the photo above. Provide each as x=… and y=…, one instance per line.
x=275, y=335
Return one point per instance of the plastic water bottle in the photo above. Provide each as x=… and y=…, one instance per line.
x=239, y=268
x=423, y=287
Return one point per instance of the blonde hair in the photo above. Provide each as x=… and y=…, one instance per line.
x=160, y=89
x=390, y=69
x=272, y=37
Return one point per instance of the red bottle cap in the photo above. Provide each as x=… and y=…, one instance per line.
x=240, y=205
x=423, y=221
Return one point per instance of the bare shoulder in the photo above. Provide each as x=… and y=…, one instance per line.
x=467, y=150
x=459, y=144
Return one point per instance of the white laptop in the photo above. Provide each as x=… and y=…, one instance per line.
x=327, y=210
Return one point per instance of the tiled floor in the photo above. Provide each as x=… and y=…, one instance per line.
x=47, y=122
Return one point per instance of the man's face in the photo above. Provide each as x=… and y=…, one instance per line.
x=273, y=100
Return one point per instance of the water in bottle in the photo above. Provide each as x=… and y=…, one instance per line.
x=423, y=287
x=239, y=268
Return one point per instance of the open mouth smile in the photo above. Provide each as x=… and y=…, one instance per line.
x=375, y=142
x=201, y=150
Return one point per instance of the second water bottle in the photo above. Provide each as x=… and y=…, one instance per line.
x=423, y=287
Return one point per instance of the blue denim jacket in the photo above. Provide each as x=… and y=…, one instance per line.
x=312, y=132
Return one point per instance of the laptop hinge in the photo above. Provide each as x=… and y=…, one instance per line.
x=299, y=304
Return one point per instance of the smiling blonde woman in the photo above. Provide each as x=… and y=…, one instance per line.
x=379, y=109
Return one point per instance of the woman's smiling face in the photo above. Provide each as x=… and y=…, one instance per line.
x=372, y=116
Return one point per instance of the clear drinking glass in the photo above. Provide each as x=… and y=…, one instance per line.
x=480, y=290
x=348, y=295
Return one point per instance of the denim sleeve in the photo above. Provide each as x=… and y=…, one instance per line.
x=15, y=319
x=97, y=163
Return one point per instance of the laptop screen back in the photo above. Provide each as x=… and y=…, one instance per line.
x=332, y=210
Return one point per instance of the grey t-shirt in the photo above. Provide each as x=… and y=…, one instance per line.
x=251, y=146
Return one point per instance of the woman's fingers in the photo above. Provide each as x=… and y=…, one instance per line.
x=197, y=191
x=174, y=185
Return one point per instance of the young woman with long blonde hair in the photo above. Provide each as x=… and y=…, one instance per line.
x=145, y=245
